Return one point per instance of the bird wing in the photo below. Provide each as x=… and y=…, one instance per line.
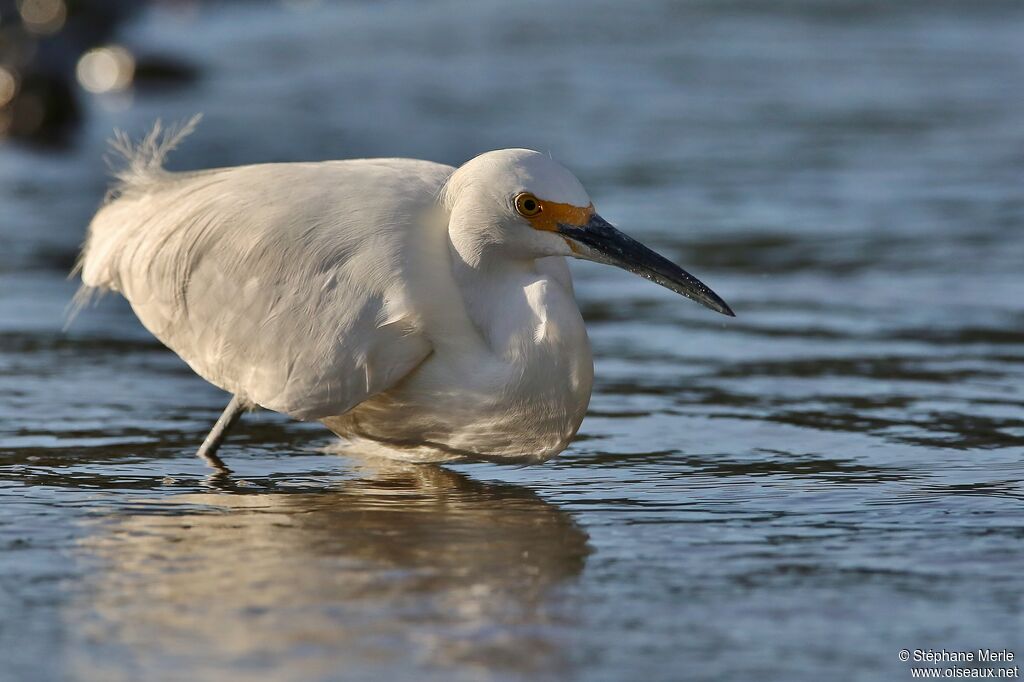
x=281, y=283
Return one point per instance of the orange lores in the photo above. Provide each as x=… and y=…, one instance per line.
x=552, y=214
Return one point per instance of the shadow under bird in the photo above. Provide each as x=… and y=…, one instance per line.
x=421, y=311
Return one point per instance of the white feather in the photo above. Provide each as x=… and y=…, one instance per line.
x=336, y=291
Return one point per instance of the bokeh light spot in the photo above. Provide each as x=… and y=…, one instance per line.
x=8, y=86
x=106, y=69
x=43, y=16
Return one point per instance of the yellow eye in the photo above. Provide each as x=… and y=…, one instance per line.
x=528, y=205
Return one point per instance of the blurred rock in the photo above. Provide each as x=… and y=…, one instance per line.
x=159, y=71
x=44, y=110
x=42, y=43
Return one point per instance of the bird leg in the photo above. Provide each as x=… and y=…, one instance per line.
x=208, y=450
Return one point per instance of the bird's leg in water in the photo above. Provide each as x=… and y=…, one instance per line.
x=208, y=450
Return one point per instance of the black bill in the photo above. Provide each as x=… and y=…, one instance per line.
x=602, y=243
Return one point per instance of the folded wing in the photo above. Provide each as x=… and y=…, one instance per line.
x=280, y=283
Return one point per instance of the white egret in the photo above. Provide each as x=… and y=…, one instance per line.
x=422, y=311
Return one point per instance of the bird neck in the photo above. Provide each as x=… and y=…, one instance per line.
x=493, y=288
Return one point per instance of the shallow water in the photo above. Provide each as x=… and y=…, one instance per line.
x=794, y=494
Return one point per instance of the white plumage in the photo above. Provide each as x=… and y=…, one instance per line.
x=416, y=309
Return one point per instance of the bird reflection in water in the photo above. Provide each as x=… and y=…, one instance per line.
x=411, y=566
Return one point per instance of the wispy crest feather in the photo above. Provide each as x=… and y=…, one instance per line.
x=136, y=167
x=138, y=164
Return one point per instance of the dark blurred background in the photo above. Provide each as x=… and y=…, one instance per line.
x=794, y=494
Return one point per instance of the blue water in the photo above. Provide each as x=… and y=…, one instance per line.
x=796, y=494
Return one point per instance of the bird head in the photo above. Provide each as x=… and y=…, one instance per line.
x=520, y=204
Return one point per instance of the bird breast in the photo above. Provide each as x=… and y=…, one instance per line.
x=510, y=381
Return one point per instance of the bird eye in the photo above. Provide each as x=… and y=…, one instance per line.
x=527, y=205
